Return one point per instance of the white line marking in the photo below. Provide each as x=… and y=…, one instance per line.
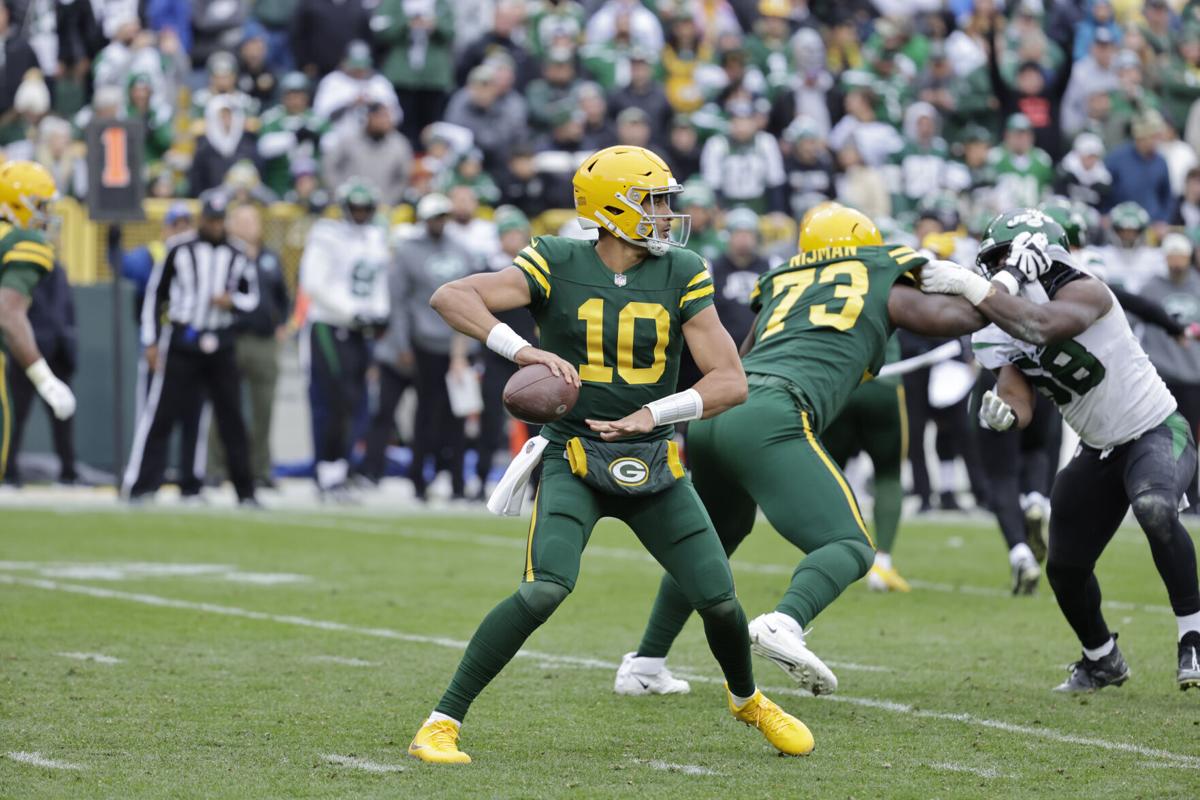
x=343, y=660
x=134, y=570
x=264, y=578
x=99, y=658
x=686, y=769
x=38, y=760
x=354, y=762
x=985, y=772
x=1176, y=759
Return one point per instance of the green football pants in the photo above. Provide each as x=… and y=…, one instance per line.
x=6, y=415
x=766, y=454
x=674, y=528
x=875, y=421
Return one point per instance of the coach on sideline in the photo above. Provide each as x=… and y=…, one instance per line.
x=201, y=281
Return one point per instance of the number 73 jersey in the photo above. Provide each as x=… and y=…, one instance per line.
x=1102, y=380
x=823, y=322
x=623, y=332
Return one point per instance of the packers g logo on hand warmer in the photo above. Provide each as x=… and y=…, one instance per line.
x=629, y=471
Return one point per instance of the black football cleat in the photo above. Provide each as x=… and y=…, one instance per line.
x=1088, y=675
x=1189, y=661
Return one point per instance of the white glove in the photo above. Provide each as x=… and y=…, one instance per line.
x=946, y=277
x=57, y=394
x=994, y=413
x=1029, y=255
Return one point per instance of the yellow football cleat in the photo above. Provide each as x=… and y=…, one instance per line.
x=437, y=743
x=789, y=735
x=886, y=579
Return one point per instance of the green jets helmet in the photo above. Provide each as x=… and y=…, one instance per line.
x=1129, y=216
x=356, y=195
x=998, y=238
x=1073, y=223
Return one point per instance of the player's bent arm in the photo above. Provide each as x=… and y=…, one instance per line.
x=724, y=383
x=1014, y=388
x=468, y=305
x=15, y=327
x=932, y=314
x=1072, y=311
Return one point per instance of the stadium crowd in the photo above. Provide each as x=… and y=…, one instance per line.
x=930, y=116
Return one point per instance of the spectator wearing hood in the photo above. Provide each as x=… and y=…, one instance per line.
x=1097, y=72
x=276, y=16
x=290, y=131
x=644, y=27
x=322, y=30
x=343, y=95
x=417, y=37
x=225, y=142
x=1099, y=15
x=1082, y=175
x=375, y=153
x=1032, y=94
x=1139, y=173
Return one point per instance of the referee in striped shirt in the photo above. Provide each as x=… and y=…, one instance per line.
x=186, y=330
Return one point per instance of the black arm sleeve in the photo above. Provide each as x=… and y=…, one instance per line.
x=1151, y=313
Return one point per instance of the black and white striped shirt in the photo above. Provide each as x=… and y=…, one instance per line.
x=194, y=273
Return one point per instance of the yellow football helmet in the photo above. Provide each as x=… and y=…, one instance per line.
x=836, y=225
x=26, y=191
x=610, y=188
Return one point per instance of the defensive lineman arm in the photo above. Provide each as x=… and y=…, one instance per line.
x=467, y=305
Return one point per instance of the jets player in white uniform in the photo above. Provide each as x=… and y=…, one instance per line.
x=343, y=272
x=1059, y=330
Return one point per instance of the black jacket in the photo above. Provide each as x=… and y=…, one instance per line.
x=18, y=59
x=321, y=29
x=273, y=301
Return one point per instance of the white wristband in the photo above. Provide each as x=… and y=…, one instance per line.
x=39, y=372
x=503, y=340
x=678, y=407
x=976, y=288
x=1008, y=281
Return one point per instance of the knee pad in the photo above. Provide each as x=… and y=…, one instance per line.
x=1059, y=574
x=864, y=554
x=1156, y=513
x=542, y=597
x=725, y=611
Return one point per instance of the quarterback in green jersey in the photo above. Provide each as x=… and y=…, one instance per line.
x=613, y=316
x=26, y=190
x=824, y=320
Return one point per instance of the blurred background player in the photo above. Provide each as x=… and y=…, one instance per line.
x=343, y=273
x=26, y=191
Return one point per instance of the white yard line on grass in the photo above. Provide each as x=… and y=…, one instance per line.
x=99, y=658
x=343, y=660
x=1179, y=760
x=354, y=762
x=666, y=766
x=38, y=760
x=984, y=772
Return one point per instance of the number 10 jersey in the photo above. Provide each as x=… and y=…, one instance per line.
x=1102, y=380
x=622, y=331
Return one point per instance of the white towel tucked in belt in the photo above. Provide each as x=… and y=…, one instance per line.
x=509, y=494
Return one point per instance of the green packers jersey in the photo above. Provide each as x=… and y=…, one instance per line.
x=624, y=332
x=823, y=321
x=25, y=258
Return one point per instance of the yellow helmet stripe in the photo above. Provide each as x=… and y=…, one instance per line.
x=535, y=272
x=696, y=295
x=536, y=258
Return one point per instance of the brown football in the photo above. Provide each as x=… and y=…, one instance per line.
x=537, y=396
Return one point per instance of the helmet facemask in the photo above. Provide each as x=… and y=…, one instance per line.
x=658, y=232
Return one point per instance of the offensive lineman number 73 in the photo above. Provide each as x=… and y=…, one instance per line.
x=794, y=284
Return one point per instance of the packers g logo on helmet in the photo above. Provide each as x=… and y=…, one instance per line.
x=26, y=191
x=610, y=188
x=629, y=471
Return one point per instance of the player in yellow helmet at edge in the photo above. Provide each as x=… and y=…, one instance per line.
x=613, y=316
x=26, y=191
x=824, y=319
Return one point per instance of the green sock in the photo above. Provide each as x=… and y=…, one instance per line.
x=888, y=497
x=667, y=618
x=494, y=644
x=729, y=640
x=822, y=576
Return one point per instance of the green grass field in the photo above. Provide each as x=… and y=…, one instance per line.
x=293, y=654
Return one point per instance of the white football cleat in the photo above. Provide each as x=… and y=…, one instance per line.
x=778, y=637
x=636, y=678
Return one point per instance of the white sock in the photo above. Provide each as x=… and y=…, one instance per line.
x=438, y=716
x=649, y=666
x=1188, y=623
x=738, y=702
x=883, y=560
x=1101, y=651
x=781, y=620
x=332, y=473
x=946, y=473
x=1020, y=552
